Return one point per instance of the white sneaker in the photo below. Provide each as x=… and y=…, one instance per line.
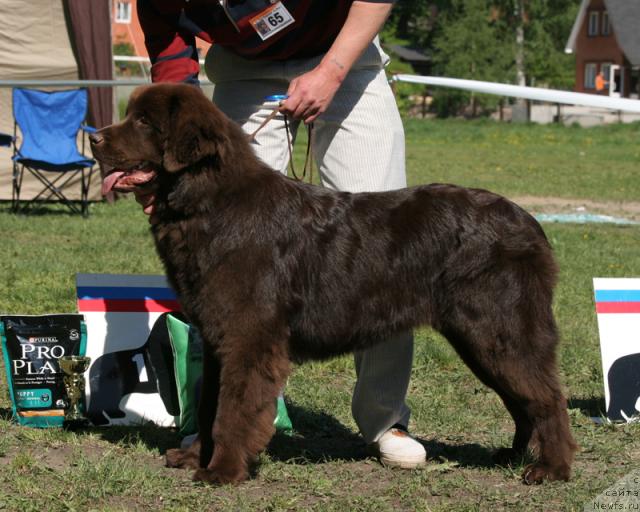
x=396, y=448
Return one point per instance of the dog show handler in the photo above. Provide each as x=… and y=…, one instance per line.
x=326, y=57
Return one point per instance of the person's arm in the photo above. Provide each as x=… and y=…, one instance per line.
x=310, y=94
x=173, y=53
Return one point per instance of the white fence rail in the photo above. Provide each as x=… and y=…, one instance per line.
x=530, y=93
x=515, y=91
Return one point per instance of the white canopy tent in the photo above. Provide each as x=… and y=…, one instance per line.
x=34, y=44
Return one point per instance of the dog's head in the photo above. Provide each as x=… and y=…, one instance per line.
x=168, y=127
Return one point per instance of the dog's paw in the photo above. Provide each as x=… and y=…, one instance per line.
x=536, y=473
x=216, y=477
x=183, y=459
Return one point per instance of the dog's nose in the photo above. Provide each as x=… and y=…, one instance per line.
x=96, y=138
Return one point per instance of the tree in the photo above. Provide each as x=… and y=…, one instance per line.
x=125, y=49
x=513, y=41
x=415, y=21
x=546, y=32
x=471, y=44
x=538, y=31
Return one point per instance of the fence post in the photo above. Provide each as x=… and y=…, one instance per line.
x=424, y=103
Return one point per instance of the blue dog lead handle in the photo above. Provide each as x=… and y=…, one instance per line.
x=276, y=97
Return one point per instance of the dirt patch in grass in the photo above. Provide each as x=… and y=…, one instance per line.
x=626, y=209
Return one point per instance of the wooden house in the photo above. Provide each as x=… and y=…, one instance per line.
x=606, y=39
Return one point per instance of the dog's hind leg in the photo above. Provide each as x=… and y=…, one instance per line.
x=538, y=389
x=518, y=362
x=468, y=351
x=531, y=390
x=199, y=453
x=254, y=369
x=524, y=430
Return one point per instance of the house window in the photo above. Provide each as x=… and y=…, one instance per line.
x=123, y=12
x=590, y=75
x=634, y=90
x=606, y=28
x=605, y=67
x=594, y=17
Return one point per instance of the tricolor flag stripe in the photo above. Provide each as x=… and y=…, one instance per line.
x=617, y=295
x=617, y=307
x=125, y=292
x=127, y=306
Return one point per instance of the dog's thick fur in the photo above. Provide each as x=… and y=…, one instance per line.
x=272, y=270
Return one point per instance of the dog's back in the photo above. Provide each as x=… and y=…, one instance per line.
x=376, y=263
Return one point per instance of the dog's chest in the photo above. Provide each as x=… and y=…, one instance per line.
x=187, y=244
x=178, y=250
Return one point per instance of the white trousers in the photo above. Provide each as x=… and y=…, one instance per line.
x=358, y=144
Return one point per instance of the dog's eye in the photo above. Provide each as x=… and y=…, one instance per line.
x=143, y=120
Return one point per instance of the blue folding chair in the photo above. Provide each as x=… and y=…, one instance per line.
x=49, y=123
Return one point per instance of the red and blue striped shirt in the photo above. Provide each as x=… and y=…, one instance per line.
x=171, y=27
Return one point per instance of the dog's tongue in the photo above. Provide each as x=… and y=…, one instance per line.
x=110, y=180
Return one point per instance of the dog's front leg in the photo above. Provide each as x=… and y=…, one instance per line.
x=199, y=453
x=254, y=369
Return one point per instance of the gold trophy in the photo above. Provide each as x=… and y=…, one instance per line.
x=74, y=368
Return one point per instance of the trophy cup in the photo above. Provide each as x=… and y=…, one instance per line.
x=74, y=368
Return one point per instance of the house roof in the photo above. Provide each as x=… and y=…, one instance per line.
x=570, y=47
x=624, y=16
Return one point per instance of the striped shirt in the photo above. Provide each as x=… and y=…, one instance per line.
x=171, y=27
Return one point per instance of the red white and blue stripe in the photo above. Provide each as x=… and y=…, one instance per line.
x=111, y=293
x=617, y=301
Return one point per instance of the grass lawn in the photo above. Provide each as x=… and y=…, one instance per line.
x=325, y=465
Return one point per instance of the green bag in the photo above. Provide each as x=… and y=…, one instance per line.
x=187, y=367
x=186, y=346
x=282, y=421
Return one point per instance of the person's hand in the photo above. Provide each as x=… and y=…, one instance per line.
x=311, y=94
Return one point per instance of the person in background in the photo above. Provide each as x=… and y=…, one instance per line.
x=601, y=82
x=326, y=57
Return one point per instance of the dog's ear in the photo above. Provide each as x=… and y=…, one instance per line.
x=191, y=136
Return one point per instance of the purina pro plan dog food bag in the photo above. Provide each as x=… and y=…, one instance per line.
x=31, y=346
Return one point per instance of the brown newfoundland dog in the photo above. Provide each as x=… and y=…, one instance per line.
x=273, y=270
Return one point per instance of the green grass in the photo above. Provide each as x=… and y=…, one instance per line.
x=520, y=159
x=325, y=465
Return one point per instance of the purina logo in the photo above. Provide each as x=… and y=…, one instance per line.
x=43, y=339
